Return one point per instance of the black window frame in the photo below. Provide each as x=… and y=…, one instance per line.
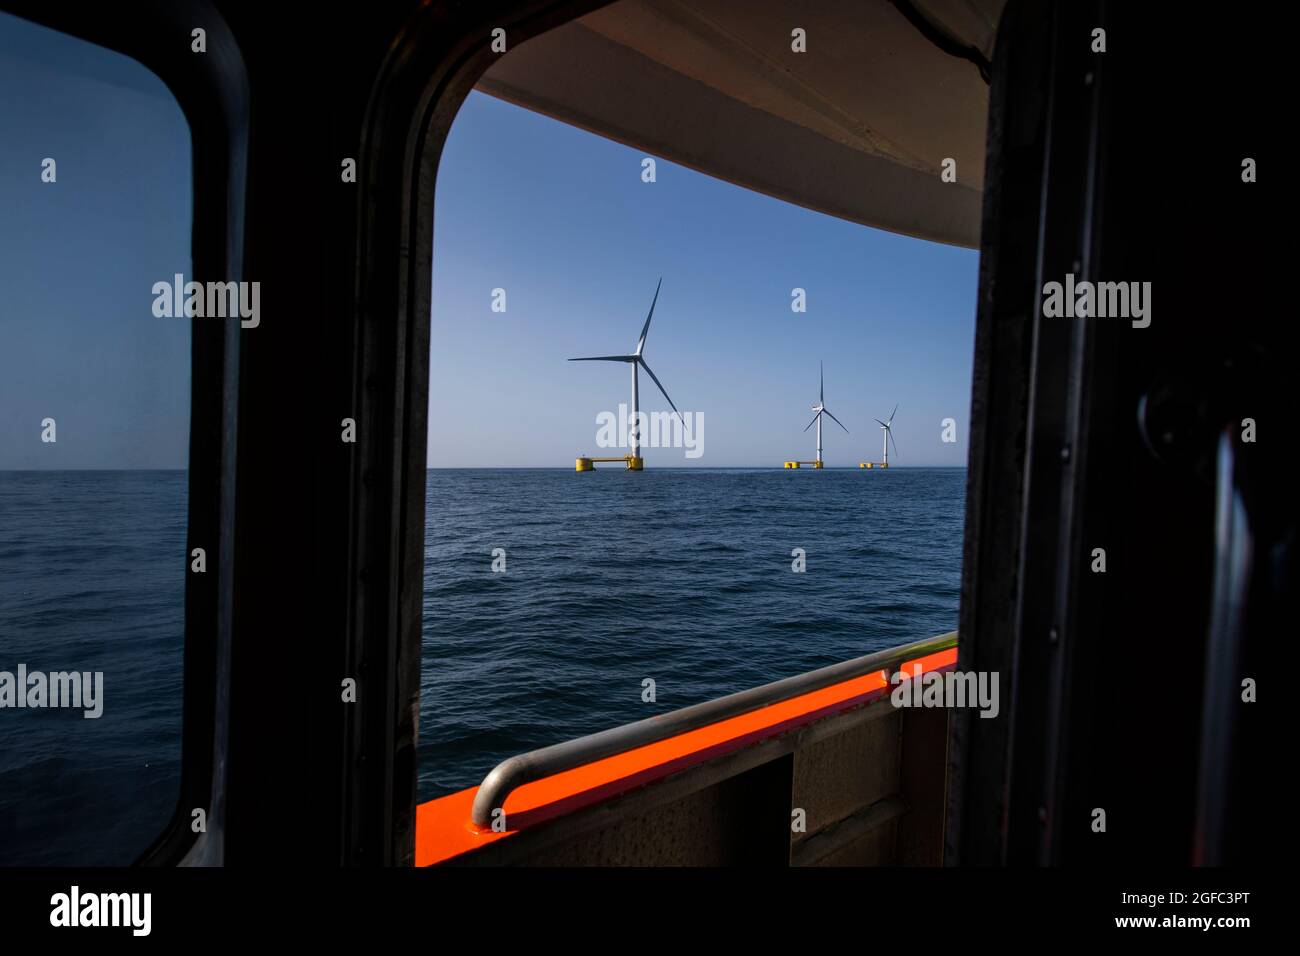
x=212, y=91
x=430, y=70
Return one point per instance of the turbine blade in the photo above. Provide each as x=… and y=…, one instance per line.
x=640, y=343
x=605, y=358
x=892, y=414
x=876, y=420
x=821, y=383
x=837, y=421
x=813, y=422
x=661, y=388
x=890, y=433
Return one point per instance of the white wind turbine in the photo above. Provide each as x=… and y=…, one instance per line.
x=637, y=359
x=888, y=436
x=821, y=409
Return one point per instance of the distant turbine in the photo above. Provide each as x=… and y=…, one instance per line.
x=635, y=360
x=889, y=435
x=821, y=409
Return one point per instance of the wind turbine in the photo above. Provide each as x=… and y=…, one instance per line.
x=637, y=360
x=821, y=409
x=888, y=437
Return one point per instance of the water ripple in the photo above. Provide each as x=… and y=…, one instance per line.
x=682, y=576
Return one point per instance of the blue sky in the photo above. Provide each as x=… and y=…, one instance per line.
x=561, y=220
x=558, y=217
x=78, y=340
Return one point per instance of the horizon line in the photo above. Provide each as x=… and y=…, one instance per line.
x=520, y=468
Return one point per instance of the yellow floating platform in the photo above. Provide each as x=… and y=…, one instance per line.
x=799, y=464
x=873, y=464
x=633, y=462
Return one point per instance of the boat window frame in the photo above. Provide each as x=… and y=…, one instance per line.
x=430, y=70
x=212, y=92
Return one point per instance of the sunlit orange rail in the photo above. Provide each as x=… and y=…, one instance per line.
x=443, y=829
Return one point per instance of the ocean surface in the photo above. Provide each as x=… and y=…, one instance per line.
x=92, y=578
x=680, y=576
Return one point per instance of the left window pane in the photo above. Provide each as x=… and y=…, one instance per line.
x=95, y=209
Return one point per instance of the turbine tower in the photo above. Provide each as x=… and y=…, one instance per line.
x=821, y=409
x=888, y=437
x=636, y=360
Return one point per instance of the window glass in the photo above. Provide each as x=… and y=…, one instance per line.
x=95, y=209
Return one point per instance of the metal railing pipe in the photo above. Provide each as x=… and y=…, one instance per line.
x=510, y=774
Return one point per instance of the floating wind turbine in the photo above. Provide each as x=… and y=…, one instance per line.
x=888, y=436
x=821, y=409
x=637, y=360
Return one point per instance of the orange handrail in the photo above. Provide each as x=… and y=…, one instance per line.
x=444, y=830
